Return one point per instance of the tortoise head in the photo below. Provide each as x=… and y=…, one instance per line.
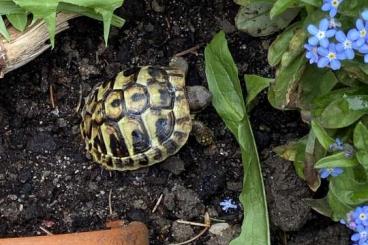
x=198, y=97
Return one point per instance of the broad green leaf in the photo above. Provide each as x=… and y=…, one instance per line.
x=355, y=70
x=223, y=82
x=344, y=193
x=19, y=21
x=336, y=160
x=295, y=49
x=254, y=19
x=361, y=144
x=340, y=108
x=315, y=3
x=300, y=158
x=45, y=10
x=3, y=31
x=255, y=84
x=282, y=92
x=311, y=176
x=312, y=87
x=280, y=6
x=324, y=139
x=353, y=8
x=320, y=205
x=223, y=74
x=280, y=45
x=288, y=151
x=9, y=7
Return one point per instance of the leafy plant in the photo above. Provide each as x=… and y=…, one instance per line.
x=321, y=70
x=18, y=13
x=228, y=100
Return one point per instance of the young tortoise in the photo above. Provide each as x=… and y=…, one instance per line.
x=143, y=116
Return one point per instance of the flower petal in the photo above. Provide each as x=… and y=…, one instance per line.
x=340, y=47
x=323, y=25
x=312, y=29
x=363, y=49
x=335, y=65
x=366, y=58
x=323, y=62
x=333, y=12
x=358, y=43
x=349, y=53
x=359, y=24
x=330, y=33
x=313, y=41
x=365, y=15
x=324, y=42
x=322, y=51
x=355, y=237
x=340, y=36
x=353, y=34
x=341, y=56
x=324, y=173
x=326, y=7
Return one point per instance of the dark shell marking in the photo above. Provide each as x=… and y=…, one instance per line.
x=138, y=119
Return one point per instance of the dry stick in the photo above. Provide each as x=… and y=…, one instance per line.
x=110, y=205
x=25, y=46
x=206, y=224
x=157, y=203
x=187, y=51
x=45, y=230
x=80, y=99
x=52, y=96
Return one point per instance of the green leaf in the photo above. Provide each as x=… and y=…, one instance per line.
x=320, y=205
x=254, y=19
x=315, y=3
x=221, y=70
x=361, y=144
x=341, y=108
x=336, y=160
x=3, y=30
x=324, y=139
x=246, y=2
x=353, y=8
x=295, y=49
x=280, y=6
x=281, y=44
x=9, y=7
x=255, y=84
x=282, y=91
x=312, y=87
x=311, y=176
x=288, y=151
x=223, y=82
x=45, y=10
x=19, y=21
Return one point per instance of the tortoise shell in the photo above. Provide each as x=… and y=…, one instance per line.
x=137, y=120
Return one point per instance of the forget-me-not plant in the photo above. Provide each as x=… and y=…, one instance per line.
x=321, y=34
x=331, y=6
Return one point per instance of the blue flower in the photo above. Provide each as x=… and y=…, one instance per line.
x=360, y=216
x=345, y=44
x=311, y=53
x=325, y=172
x=338, y=145
x=361, y=234
x=364, y=50
x=359, y=34
x=320, y=35
x=330, y=57
x=365, y=14
x=227, y=204
x=331, y=6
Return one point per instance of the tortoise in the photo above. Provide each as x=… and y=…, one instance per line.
x=143, y=116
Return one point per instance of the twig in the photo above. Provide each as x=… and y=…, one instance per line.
x=206, y=224
x=157, y=203
x=46, y=231
x=110, y=205
x=191, y=223
x=187, y=51
x=52, y=96
x=80, y=99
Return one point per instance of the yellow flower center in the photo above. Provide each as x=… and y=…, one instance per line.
x=331, y=56
x=320, y=34
x=362, y=216
x=363, y=32
x=335, y=3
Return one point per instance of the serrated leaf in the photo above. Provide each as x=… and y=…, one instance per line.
x=255, y=84
x=3, y=31
x=19, y=21
x=254, y=19
x=45, y=10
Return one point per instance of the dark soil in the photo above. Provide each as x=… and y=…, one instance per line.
x=47, y=180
